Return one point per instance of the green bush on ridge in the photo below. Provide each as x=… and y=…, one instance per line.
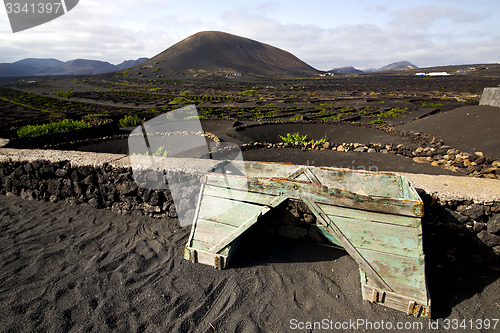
x=130, y=120
x=64, y=125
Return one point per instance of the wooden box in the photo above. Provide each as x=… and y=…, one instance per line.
x=375, y=217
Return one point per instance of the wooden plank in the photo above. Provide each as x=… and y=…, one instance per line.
x=237, y=232
x=268, y=169
x=227, y=211
x=211, y=259
x=364, y=215
x=396, y=301
x=295, y=175
x=247, y=224
x=312, y=176
x=200, y=245
x=405, y=275
x=337, y=234
x=394, y=206
x=198, y=206
x=211, y=232
x=387, y=238
x=374, y=184
x=320, y=193
x=239, y=195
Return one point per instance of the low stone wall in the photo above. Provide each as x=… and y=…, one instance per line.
x=463, y=207
x=99, y=180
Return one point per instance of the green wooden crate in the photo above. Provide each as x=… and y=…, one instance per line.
x=375, y=217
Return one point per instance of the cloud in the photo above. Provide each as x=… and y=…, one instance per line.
x=425, y=17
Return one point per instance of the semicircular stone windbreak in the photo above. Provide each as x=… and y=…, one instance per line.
x=26, y=14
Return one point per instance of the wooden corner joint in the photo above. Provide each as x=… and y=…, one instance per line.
x=378, y=296
x=418, y=310
x=190, y=254
x=219, y=262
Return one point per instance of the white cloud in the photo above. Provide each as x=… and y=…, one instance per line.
x=425, y=17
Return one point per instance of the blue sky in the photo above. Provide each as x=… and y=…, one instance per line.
x=325, y=34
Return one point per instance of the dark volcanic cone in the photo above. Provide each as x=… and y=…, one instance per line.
x=214, y=52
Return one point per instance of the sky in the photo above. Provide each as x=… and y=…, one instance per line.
x=324, y=34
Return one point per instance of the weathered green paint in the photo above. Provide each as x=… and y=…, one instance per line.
x=405, y=275
x=374, y=216
x=381, y=237
x=364, y=215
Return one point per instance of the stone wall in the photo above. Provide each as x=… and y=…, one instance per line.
x=462, y=209
x=99, y=180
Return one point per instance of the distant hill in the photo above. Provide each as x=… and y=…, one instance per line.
x=398, y=65
x=29, y=66
x=130, y=63
x=345, y=70
x=82, y=67
x=222, y=54
x=34, y=66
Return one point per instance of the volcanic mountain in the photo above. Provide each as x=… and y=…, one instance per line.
x=223, y=54
x=402, y=65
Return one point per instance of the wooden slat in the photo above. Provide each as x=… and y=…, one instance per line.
x=394, y=206
x=374, y=184
x=406, y=221
x=387, y=238
x=295, y=175
x=353, y=252
x=405, y=275
x=198, y=206
x=247, y=224
x=199, y=245
x=267, y=169
x=396, y=301
x=227, y=211
x=211, y=232
x=319, y=193
x=239, y=195
x=312, y=176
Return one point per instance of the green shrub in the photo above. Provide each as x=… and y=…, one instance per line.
x=180, y=100
x=320, y=141
x=334, y=117
x=65, y=94
x=393, y=113
x=296, y=117
x=250, y=92
x=431, y=105
x=296, y=137
x=186, y=93
x=378, y=121
x=271, y=113
x=160, y=152
x=64, y=125
x=258, y=115
x=195, y=117
x=130, y=120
